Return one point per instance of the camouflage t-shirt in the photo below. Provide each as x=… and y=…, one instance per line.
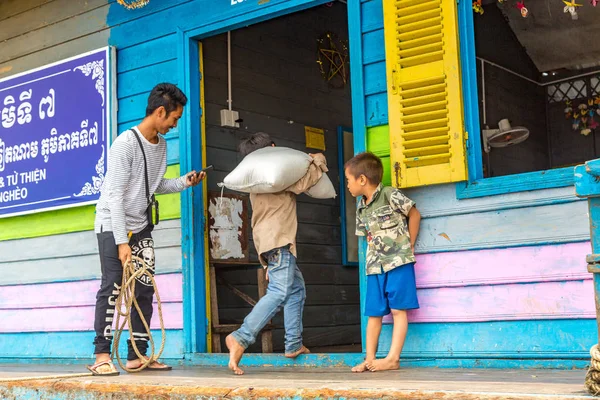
x=384, y=223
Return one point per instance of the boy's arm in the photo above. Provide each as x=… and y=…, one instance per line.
x=402, y=204
x=312, y=176
x=414, y=221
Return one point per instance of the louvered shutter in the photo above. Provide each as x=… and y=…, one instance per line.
x=427, y=139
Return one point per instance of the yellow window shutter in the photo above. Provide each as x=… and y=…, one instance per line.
x=427, y=138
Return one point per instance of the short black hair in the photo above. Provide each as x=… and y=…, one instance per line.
x=367, y=164
x=255, y=142
x=166, y=95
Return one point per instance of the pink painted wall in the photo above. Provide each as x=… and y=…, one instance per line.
x=69, y=306
x=544, y=282
x=538, y=282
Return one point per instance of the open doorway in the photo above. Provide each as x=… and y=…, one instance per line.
x=282, y=83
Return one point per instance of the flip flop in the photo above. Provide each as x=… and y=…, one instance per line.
x=154, y=369
x=165, y=368
x=94, y=369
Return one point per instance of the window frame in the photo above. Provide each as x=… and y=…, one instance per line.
x=477, y=185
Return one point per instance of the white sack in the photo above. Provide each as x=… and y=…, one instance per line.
x=323, y=189
x=268, y=170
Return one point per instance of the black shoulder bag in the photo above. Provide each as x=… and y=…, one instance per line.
x=152, y=210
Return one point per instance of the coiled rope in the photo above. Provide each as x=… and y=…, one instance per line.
x=124, y=305
x=592, y=378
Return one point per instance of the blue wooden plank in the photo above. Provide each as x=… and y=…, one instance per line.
x=142, y=80
x=148, y=53
x=372, y=15
x=358, y=123
x=373, y=45
x=120, y=15
x=375, y=79
x=470, y=92
x=133, y=108
x=554, y=178
x=72, y=345
x=377, y=110
x=514, y=340
x=441, y=201
x=551, y=224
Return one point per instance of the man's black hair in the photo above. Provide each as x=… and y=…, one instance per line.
x=255, y=142
x=166, y=95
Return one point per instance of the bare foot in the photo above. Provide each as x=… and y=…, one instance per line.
x=383, y=365
x=362, y=367
x=302, y=350
x=236, y=351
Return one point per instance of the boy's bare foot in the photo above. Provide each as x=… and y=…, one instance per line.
x=236, y=351
x=362, y=367
x=302, y=350
x=383, y=365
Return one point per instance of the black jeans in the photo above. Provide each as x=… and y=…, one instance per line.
x=142, y=245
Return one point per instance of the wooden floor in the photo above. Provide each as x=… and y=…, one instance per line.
x=287, y=383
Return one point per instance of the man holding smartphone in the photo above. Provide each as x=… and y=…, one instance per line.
x=125, y=217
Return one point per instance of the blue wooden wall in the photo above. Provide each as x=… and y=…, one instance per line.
x=545, y=218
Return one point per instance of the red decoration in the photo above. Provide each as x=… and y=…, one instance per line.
x=521, y=6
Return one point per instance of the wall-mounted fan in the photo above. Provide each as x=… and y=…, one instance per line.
x=504, y=136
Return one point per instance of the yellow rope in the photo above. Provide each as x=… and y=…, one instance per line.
x=125, y=302
x=592, y=378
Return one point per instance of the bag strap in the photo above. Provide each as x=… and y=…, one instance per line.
x=148, y=198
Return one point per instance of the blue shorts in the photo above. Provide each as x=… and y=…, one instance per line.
x=396, y=289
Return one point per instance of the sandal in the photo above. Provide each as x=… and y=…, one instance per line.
x=112, y=371
x=162, y=367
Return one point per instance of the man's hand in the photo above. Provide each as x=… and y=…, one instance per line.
x=124, y=253
x=193, y=178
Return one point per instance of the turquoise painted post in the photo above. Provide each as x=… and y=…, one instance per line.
x=587, y=185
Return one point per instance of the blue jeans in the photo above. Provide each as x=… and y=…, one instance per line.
x=286, y=289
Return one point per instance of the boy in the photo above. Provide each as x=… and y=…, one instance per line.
x=382, y=217
x=274, y=226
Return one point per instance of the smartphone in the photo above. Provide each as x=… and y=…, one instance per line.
x=204, y=169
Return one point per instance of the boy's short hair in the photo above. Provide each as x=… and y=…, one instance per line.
x=367, y=164
x=166, y=95
x=255, y=142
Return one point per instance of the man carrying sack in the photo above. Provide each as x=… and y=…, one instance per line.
x=125, y=217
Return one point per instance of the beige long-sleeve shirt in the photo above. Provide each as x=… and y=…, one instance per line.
x=274, y=216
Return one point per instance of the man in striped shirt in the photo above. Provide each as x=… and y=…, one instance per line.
x=136, y=166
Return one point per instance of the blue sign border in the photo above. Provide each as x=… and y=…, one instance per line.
x=82, y=196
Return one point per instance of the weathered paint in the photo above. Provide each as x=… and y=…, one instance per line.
x=480, y=290
x=76, y=318
x=503, y=266
x=74, y=256
x=511, y=344
x=549, y=340
x=72, y=346
x=547, y=300
x=487, y=222
x=75, y=219
x=587, y=186
x=74, y=294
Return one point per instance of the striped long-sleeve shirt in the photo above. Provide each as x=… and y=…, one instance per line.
x=123, y=203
